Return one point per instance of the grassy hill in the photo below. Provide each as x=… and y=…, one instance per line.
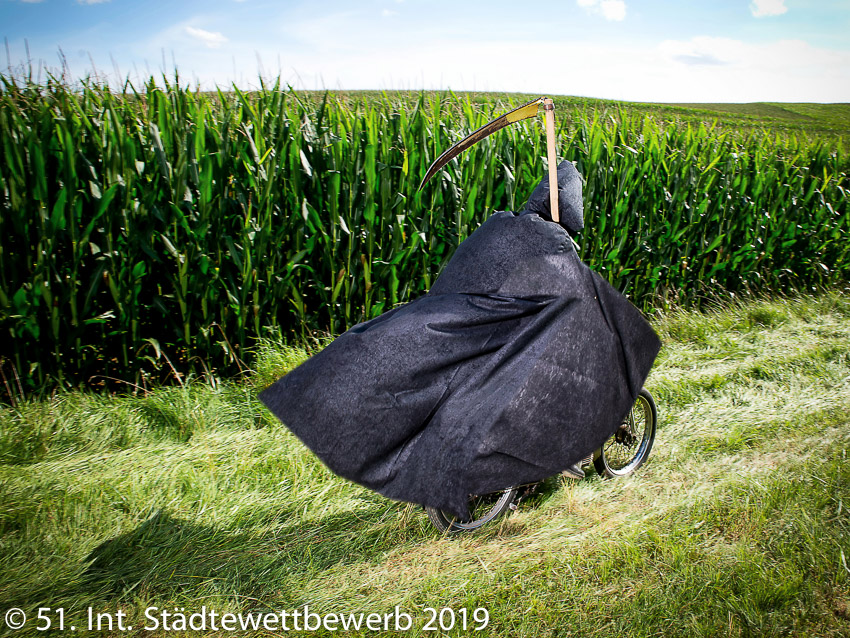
x=834, y=118
x=192, y=497
x=803, y=118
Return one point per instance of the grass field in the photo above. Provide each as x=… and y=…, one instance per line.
x=192, y=497
x=822, y=118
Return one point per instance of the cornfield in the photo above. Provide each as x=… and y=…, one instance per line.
x=169, y=224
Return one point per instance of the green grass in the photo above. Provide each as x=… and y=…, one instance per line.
x=188, y=497
x=816, y=118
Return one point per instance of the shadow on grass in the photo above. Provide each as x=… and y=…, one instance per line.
x=166, y=556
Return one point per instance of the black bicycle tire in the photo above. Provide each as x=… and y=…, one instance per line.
x=446, y=522
x=644, y=448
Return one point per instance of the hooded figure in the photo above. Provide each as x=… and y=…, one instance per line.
x=519, y=362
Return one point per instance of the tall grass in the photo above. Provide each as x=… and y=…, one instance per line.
x=171, y=226
x=196, y=496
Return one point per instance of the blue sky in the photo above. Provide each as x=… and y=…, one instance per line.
x=641, y=50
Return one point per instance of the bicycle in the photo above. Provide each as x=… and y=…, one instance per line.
x=620, y=455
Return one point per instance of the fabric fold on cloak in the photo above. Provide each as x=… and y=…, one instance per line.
x=519, y=362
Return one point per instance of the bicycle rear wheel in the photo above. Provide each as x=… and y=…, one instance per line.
x=483, y=509
x=629, y=447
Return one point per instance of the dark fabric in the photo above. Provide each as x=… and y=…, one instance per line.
x=570, y=205
x=519, y=362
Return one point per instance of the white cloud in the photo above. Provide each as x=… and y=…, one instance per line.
x=696, y=70
x=700, y=51
x=763, y=8
x=613, y=10
x=609, y=9
x=389, y=12
x=211, y=39
x=709, y=69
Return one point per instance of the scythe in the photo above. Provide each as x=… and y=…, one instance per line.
x=523, y=112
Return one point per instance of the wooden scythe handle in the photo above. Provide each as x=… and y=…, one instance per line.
x=549, y=110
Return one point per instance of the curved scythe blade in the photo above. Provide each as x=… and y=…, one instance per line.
x=520, y=113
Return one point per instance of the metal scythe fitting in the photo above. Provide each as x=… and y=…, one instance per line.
x=523, y=112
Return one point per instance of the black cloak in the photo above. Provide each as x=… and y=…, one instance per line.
x=518, y=363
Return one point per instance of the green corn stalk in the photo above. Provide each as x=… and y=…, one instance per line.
x=202, y=222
